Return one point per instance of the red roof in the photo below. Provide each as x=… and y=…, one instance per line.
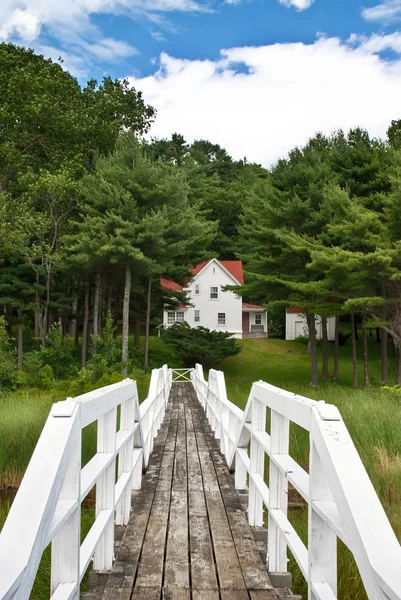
x=256, y=306
x=295, y=311
x=232, y=266
x=169, y=285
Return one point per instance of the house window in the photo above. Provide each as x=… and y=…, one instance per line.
x=174, y=317
x=197, y=289
x=221, y=318
x=258, y=319
x=214, y=293
x=197, y=316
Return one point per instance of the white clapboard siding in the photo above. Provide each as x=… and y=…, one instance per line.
x=47, y=507
x=342, y=502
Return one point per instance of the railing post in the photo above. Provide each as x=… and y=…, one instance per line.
x=105, y=490
x=240, y=474
x=125, y=460
x=322, y=541
x=257, y=464
x=278, y=492
x=65, y=547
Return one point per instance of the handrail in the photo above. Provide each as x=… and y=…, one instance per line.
x=47, y=507
x=340, y=497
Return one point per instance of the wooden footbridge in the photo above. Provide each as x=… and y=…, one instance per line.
x=172, y=476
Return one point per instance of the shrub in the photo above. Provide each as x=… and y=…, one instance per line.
x=201, y=345
x=9, y=375
x=105, y=351
x=276, y=321
x=45, y=377
x=59, y=353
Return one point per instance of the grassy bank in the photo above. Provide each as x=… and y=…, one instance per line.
x=373, y=417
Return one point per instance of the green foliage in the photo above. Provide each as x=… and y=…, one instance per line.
x=276, y=321
x=200, y=345
x=59, y=353
x=9, y=375
x=105, y=351
x=45, y=377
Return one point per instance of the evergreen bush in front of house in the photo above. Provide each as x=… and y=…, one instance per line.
x=201, y=345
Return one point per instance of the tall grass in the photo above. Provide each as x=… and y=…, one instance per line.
x=372, y=416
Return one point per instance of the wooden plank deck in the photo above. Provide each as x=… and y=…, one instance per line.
x=188, y=537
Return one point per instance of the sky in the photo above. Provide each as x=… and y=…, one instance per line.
x=258, y=77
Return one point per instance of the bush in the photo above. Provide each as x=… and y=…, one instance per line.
x=45, y=377
x=59, y=353
x=276, y=321
x=9, y=375
x=105, y=351
x=201, y=345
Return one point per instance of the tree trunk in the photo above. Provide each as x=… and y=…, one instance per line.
x=384, y=353
x=73, y=323
x=355, y=328
x=109, y=299
x=85, y=327
x=325, y=349
x=20, y=339
x=398, y=364
x=137, y=338
x=365, y=353
x=336, y=349
x=310, y=317
x=378, y=332
x=45, y=320
x=354, y=360
x=96, y=304
x=146, y=362
x=36, y=316
x=127, y=296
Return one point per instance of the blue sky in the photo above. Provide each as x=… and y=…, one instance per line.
x=256, y=76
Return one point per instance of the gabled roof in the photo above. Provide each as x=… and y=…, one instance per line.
x=234, y=268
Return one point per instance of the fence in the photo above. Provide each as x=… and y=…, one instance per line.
x=340, y=497
x=47, y=507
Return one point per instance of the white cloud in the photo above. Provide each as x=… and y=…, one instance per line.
x=69, y=23
x=386, y=12
x=298, y=4
x=287, y=94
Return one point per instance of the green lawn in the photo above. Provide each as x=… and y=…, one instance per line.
x=373, y=417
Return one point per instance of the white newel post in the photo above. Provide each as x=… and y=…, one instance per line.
x=322, y=541
x=105, y=490
x=278, y=492
x=257, y=464
x=125, y=459
x=65, y=547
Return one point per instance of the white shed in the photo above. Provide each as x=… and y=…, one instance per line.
x=296, y=326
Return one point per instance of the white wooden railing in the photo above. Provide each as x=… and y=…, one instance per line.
x=342, y=502
x=47, y=507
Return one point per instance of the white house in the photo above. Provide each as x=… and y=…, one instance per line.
x=296, y=326
x=209, y=306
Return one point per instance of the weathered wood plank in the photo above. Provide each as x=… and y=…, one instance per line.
x=175, y=594
x=263, y=595
x=205, y=595
x=234, y=595
x=150, y=571
x=146, y=593
x=228, y=567
x=177, y=559
x=203, y=570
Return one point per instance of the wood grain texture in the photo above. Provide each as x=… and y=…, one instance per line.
x=188, y=538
